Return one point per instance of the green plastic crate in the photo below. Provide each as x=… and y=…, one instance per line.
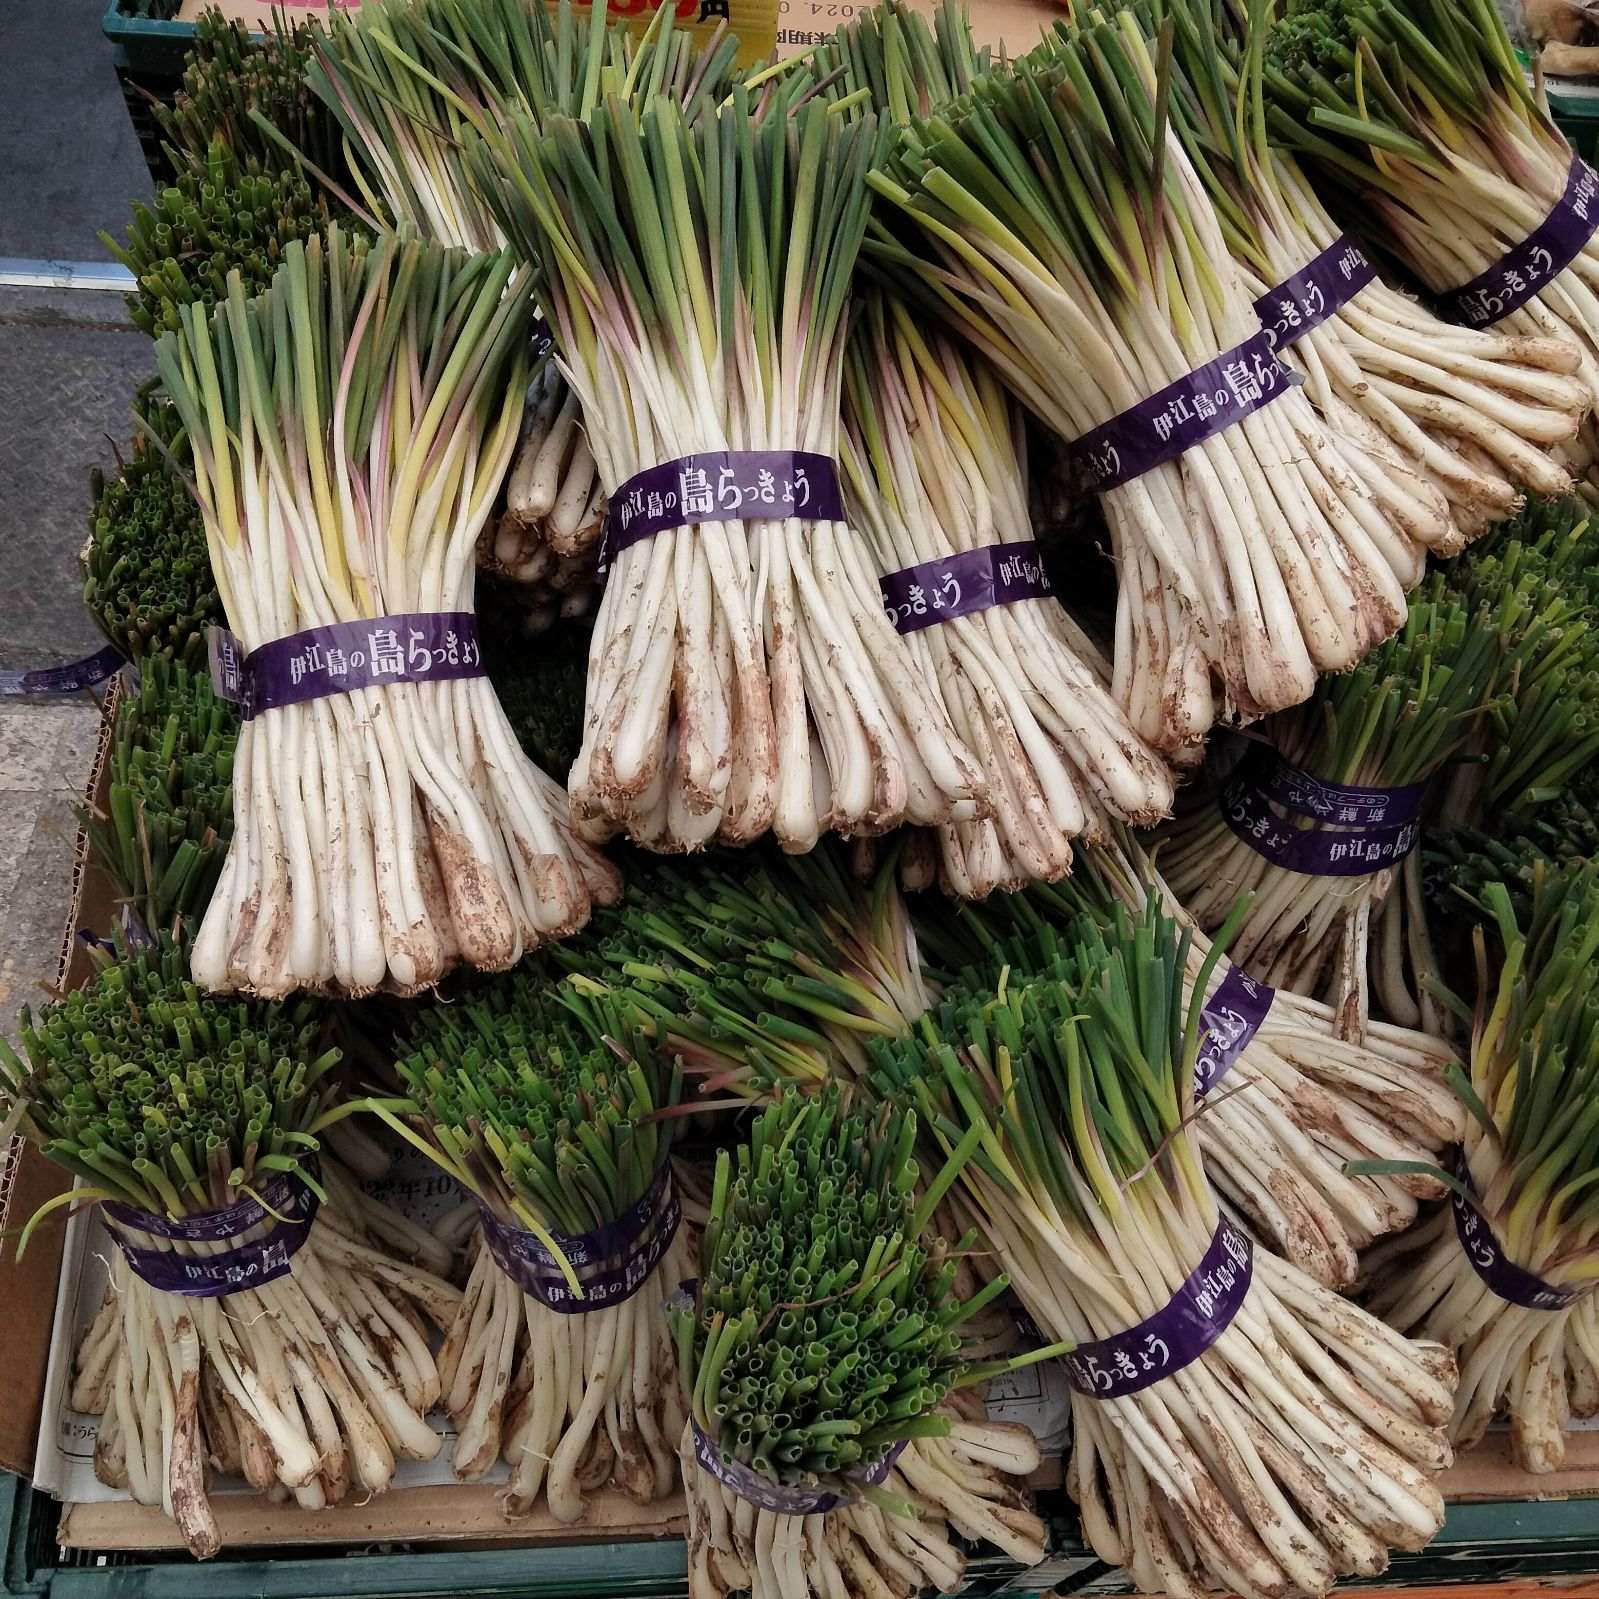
x=153, y=43
x=1577, y=116
x=1479, y=1544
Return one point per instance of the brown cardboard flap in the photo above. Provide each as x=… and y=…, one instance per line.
x=1487, y=1473
x=458, y=1512
x=28, y=1286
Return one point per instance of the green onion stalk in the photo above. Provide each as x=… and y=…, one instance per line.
x=1416, y=704
x=1051, y=215
x=1296, y=1106
x=823, y=1335
x=1531, y=1157
x=555, y=1109
x=169, y=804
x=697, y=271
x=147, y=578
x=1418, y=115
x=757, y=969
x=310, y=1385
x=410, y=81
x=1453, y=421
x=1302, y=1443
x=350, y=429
x=210, y=223
x=934, y=467
x=250, y=91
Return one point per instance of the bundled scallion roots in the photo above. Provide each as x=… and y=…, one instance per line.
x=934, y=467
x=1505, y=1275
x=743, y=676
x=821, y=1348
x=169, y=805
x=1296, y=1104
x=1420, y=114
x=1275, y=1439
x=309, y=1382
x=147, y=574
x=546, y=1103
x=210, y=223
x=350, y=428
x=1094, y=277
x=1451, y=421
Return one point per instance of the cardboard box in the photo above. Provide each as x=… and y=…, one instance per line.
x=462, y=1515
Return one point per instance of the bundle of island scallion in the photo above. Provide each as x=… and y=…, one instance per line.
x=827, y=1452
x=345, y=465
x=1096, y=280
x=311, y=1378
x=1442, y=413
x=169, y=799
x=1418, y=117
x=1319, y=817
x=554, y=1109
x=759, y=969
x=209, y=223
x=1289, y=1105
x=147, y=574
x=935, y=476
x=250, y=91
x=1505, y=1275
x=888, y=59
x=743, y=676
x=1235, y=1424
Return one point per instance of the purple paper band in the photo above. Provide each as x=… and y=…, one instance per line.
x=1185, y=413
x=1178, y=1333
x=1359, y=831
x=68, y=679
x=1512, y=1283
x=1232, y=1016
x=611, y=1263
x=1524, y=271
x=1318, y=290
x=415, y=647
x=778, y=1497
x=247, y=1264
x=939, y=591
x=720, y=486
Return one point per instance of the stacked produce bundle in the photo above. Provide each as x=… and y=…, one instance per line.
x=147, y=577
x=889, y=59
x=549, y=531
x=935, y=477
x=1235, y=1424
x=1506, y=1272
x=1250, y=555
x=553, y=1109
x=1419, y=114
x=250, y=91
x=169, y=802
x=758, y=969
x=821, y=1346
x=743, y=676
x=1297, y=1105
x=254, y=1322
x=212, y=222
x=1524, y=792
x=1320, y=815
x=1441, y=413
x=386, y=823
x=408, y=80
